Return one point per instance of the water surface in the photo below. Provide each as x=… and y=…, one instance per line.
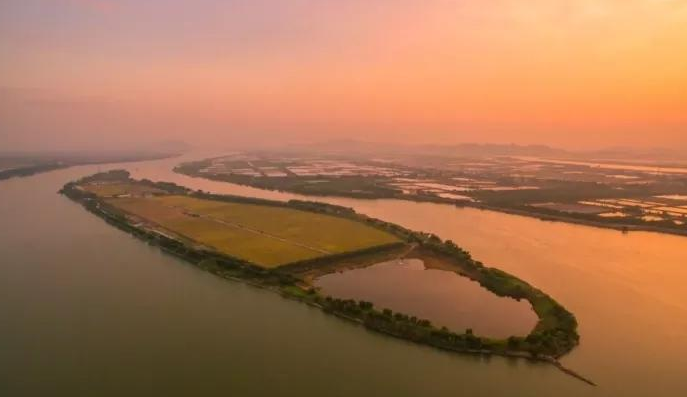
x=87, y=310
x=443, y=297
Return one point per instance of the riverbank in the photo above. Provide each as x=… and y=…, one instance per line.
x=30, y=170
x=560, y=217
x=577, y=221
x=554, y=335
x=477, y=352
x=66, y=161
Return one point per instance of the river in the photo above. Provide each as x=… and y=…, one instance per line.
x=87, y=310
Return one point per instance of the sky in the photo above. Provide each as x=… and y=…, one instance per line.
x=571, y=73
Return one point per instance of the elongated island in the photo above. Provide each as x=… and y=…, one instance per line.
x=284, y=246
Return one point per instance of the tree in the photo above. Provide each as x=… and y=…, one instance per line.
x=513, y=342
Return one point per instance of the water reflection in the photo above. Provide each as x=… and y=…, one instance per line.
x=443, y=297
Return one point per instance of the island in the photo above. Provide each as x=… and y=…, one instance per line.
x=600, y=195
x=23, y=164
x=283, y=246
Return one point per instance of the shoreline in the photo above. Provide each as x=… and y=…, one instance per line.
x=477, y=352
x=625, y=228
x=24, y=172
x=358, y=322
x=554, y=336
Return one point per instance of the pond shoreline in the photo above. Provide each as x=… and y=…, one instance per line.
x=477, y=352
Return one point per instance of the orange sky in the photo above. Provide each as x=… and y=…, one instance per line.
x=574, y=73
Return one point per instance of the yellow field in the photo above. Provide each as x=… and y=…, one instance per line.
x=265, y=235
x=117, y=189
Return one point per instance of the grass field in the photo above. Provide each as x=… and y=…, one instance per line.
x=266, y=235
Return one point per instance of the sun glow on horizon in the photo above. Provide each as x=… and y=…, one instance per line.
x=570, y=72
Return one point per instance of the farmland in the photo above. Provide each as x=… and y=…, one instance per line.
x=623, y=197
x=265, y=235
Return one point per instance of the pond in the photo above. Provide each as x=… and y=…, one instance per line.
x=443, y=297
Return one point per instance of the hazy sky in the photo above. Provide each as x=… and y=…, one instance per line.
x=576, y=73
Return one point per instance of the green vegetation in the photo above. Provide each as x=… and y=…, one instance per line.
x=29, y=170
x=633, y=221
x=554, y=335
x=121, y=189
x=28, y=164
x=500, y=193
x=347, y=186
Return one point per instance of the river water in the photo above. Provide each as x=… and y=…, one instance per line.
x=87, y=310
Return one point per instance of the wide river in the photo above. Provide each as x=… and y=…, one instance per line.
x=87, y=310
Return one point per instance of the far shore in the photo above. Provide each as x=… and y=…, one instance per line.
x=568, y=219
x=512, y=211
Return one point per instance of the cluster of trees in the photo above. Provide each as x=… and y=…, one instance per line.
x=449, y=248
x=402, y=325
x=30, y=170
x=109, y=176
x=422, y=331
x=73, y=193
x=347, y=307
x=503, y=284
x=237, y=199
x=323, y=208
x=556, y=331
x=125, y=177
x=308, y=264
x=633, y=218
x=168, y=187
